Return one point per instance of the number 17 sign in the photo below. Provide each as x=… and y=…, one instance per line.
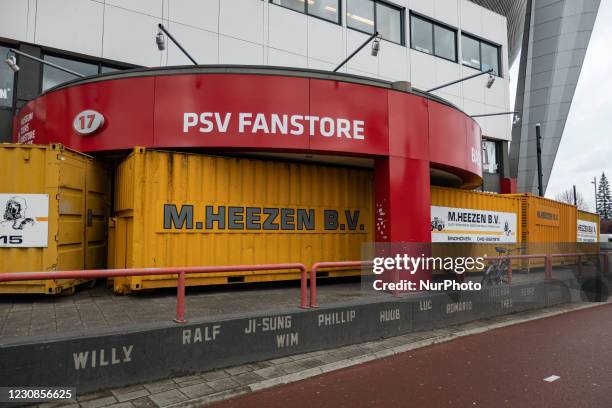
x=88, y=122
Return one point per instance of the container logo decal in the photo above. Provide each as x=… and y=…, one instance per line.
x=547, y=216
x=25, y=220
x=450, y=224
x=88, y=122
x=209, y=218
x=587, y=231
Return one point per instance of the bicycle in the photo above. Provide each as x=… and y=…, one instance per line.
x=496, y=272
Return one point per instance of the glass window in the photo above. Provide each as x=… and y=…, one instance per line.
x=421, y=37
x=326, y=9
x=6, y=81
x=471, y=52
x=480, y=54
x=444, y=43
x=296, y=5
x=53, y=76
x=490, y=57
x=360, y=15
x=389, y=22
x=105, y=69
x=489, y=156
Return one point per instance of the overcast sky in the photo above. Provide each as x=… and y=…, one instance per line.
x=586, y=145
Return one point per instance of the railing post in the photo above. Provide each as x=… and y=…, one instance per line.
x=303, y=288
x=509, y=271
x=580, y=266
x=313, y=286
x=180, y=299
x=548, y=262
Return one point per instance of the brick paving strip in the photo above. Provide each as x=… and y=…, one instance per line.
x=213, y=386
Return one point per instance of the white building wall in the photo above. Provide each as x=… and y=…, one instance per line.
x=260, y=33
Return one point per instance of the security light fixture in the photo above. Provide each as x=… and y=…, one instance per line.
x=11, y=61
x=489, y=81
x=375, y=48
x=161, y=42
x=376, y=45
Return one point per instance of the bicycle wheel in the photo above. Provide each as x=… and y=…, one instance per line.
x=486, y=278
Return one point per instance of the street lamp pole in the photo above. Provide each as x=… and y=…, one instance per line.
x=539, y=157
x=594, y=182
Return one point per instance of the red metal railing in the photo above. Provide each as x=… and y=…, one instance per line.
x=513, y=257
x=181, y=272
x=321, y=265
x=604, y=255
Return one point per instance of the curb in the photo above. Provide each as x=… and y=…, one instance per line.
x=443, y=337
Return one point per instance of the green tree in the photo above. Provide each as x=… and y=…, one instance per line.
x=604, y=198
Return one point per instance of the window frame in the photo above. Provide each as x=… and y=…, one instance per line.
x=480, y=41
x=11, y=107
x=98, y=63
x=402, y=11
x=433, y=35
x=306, y=13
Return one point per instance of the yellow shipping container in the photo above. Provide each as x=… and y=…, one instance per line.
x=78, y=204
x=472, y=200
x=181, y=209
x=545, y=220
x=548, y=226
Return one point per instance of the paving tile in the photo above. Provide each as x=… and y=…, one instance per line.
x=247, y=378
x=270, y=372
x=144, y=402
x=239, y=369
x=98, y=402
x=214, y=375
x=121, y=405
x=160, y=386
x=223, y=384
x=197, y=390
x=168, y=397
x=127, y=396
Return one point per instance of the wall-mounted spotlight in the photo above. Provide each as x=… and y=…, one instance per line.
x=11, y=61
x=376, y=45
x=375, y=48
x=489, y=81
x=160, y=41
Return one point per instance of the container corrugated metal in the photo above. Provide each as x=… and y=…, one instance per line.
x=457, y=198
x=79, y=203
x=545, y=220
x=548, y=226
x=148, y=180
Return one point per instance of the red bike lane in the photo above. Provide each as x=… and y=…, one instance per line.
x=501, y=368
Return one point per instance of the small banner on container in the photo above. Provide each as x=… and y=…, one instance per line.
x=587, y=231
x=25, y=220
x=450, y=224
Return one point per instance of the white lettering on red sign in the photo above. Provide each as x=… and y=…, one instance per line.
x=255, y=123
x=26, y=135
